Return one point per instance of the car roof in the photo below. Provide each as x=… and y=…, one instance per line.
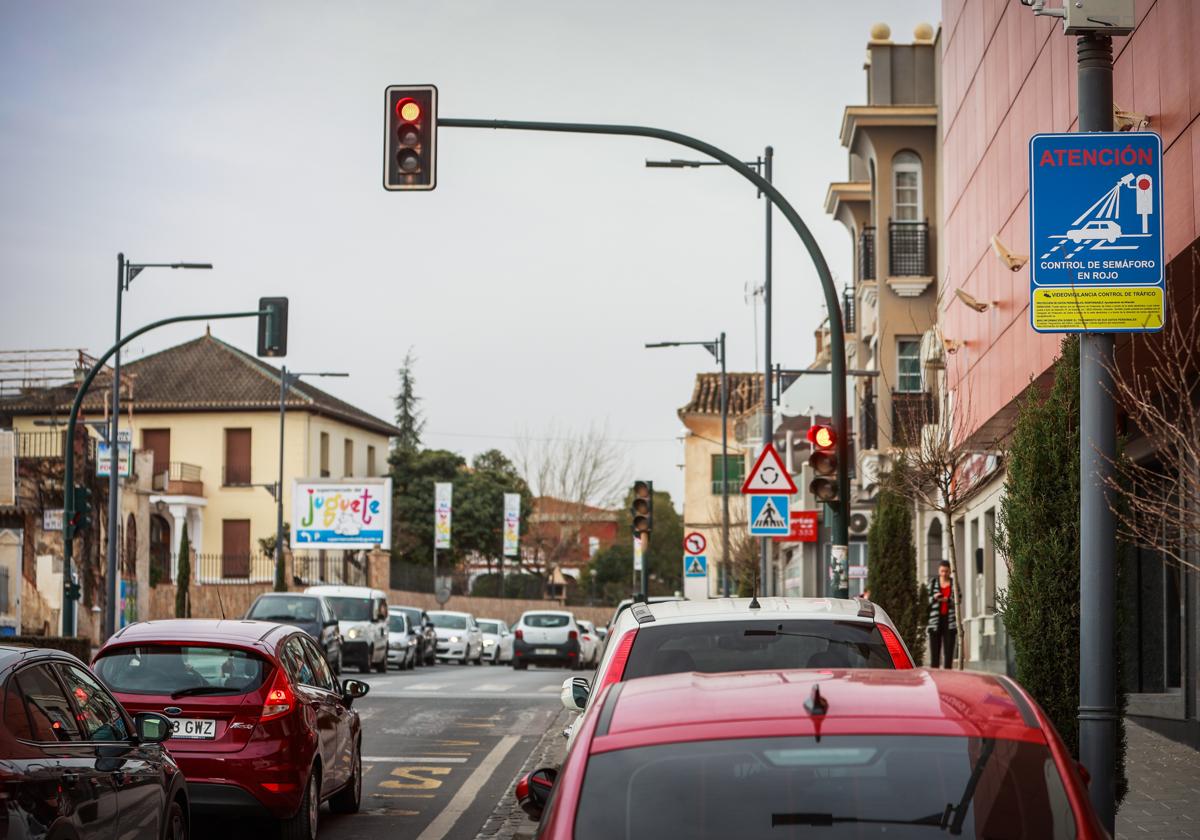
x=497, y=620
x=751, y=704
x=232, y=631
x=12, y=655
x=346, y=591
x=450, y=612
x=738, y=609
x=316, y=596
x=548, y=612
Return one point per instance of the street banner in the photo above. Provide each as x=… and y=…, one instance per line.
x=351, y=515
x=1096, y=232
x=637, y=554
x=512, y=523
x=104, y=456
x=593, y=546
x=442, y=492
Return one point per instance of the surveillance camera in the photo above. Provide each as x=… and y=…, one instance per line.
x=1129, y=121
x=1013, y=262
x=970, y=301
x=952, y=345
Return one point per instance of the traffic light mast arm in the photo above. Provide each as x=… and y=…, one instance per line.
x=68, y=608
x=837, y=336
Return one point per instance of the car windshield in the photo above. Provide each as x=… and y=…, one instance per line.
x=489, y=627
x=842, y=786
x=546, y=620
x=284, y=608
x=396, y=624
x=351, y=609
x=414, y=615
x=450, y=621
x=716, y=647
x=180, y=670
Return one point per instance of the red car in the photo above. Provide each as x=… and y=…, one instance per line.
x=261, y=725
x=829, y=753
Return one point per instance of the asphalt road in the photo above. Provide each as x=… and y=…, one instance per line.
x=440, y=745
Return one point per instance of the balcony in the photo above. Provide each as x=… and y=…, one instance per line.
x=866, y=253
x=911, y=412
x=908, y=249
x=179, y=479
x=235, y=475
x=40, y=445
x=868, y=423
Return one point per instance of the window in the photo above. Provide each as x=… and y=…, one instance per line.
x=296, y=663
x=347, y=458
x=322, y=676
x=160, y=549
x=370, y=461
x=908, y=365
x=235, y=548
x=324, y=455
x=237, y=457
x=49, y=716
x=906, y=199
x=164, y=669
x=158, y=441
x=735, y=473
x=99, y=714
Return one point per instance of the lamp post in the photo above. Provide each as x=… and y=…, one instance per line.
x=126, y=271
x=764, y=165
x=717, y=348
x=286, y=378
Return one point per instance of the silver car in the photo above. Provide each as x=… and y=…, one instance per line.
x=497, y=641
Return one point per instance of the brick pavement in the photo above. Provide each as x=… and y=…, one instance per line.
x=1164, y=788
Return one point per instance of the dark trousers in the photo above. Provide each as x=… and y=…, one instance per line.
x=941, y=644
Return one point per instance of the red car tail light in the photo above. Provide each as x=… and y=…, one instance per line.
x=616, y=668
x=572, y=636
x=280, y=698
x=899, y=657
x=519, y=634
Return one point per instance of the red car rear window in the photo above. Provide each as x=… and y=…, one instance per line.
x=180, y=670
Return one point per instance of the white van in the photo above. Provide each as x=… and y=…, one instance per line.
x=362, y=615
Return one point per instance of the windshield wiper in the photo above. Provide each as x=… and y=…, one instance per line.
x=825, y=819
x=959, y=812
x=204, y=689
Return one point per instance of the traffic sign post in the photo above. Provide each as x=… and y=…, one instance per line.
x=1096, y=232
x=695, y=566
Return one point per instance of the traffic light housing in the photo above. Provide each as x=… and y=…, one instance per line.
x=272, y=327
x=641, y=508
x=824, y=463
x=81, y=514
x=410, y=144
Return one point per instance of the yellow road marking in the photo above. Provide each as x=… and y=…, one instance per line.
x=415, y=780
x=453, y=743
x=404, y=795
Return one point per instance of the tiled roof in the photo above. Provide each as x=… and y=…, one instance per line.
x=204, y=374
x=745, y=394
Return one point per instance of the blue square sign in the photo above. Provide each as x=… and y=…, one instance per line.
x=1095, y=232
x=769, y=516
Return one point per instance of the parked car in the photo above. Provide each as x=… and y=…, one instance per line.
x=420, y=625
x=261, y=726
x=402, y=642
x=497, y=641
x=590, y=645
x=628, y=602
x=546, y=636
x=362, y=619
x=839, y=753
x=727, y=634
x=458, y=637
x=311, y=613
x=74, y=763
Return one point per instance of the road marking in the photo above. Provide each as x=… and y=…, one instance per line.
x=476, y=725
x=415, y=781
x=492, y=687
x=462, y=799
x=425, y=687
x=404, y=795
x=454, y=743
x=549, y=688
x=412, y=759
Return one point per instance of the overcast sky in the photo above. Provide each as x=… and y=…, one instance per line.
x=250, y=135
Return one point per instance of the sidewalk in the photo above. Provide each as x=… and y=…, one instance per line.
x=1164, y=788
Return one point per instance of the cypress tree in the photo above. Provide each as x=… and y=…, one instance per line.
x=183, y=607
x=892, y=564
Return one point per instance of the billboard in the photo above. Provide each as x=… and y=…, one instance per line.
x=349, y=514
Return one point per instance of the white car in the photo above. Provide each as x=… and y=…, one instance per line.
x=402, y=643
x=362, y=615
x=1106, y=230
x=497, y=641
x=590, y=645
x=458, y=637
x=546, y=636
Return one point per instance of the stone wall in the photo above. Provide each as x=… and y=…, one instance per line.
x=210, y=600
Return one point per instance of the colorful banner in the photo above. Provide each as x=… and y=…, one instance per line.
x=442, y=492
x=512, y=524
x=351, y=514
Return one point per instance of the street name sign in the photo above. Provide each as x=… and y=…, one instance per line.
x=769, y=476
x=769, y=515
x=695, y=566
x=1096, y=232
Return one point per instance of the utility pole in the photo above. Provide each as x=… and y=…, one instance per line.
x=766, y=586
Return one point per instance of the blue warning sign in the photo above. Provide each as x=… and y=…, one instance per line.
x=1096, y=232
x=695, y=565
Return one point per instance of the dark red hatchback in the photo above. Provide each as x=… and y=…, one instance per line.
x=261, y=725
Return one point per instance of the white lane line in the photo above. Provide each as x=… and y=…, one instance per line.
x=425, y=687
x=466, y=794
x=492, y=687
x=549, y=688
x=412, y=759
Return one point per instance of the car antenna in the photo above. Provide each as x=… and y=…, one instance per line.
x=754, y=605
x=220, y=603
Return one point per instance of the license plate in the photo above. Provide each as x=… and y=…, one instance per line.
x=545, y=651
x=194, y=728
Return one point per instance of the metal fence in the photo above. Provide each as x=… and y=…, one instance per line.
x=908, y=249
x=335, y=568
x=233, y=568
x=866, y=253
x=868, y=433
x=849, y=321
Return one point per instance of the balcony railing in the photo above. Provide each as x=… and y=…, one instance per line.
x=866, y=253
x=233, y=568
x=868, y=423
x=179, y=479
x=911, y=412
x=37, y=445
x=908, y=249
x=849, y=321
x=235, y=475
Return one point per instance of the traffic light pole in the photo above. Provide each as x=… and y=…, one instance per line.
x=767, y=580
x=69, y=595
x=837, y=337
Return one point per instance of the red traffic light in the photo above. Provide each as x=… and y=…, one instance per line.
x=407, y=110
x=822, y=437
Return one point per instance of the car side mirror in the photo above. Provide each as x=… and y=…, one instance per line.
x=575, y=693
x=152, y=728
x=352, y=690
x=534, y=789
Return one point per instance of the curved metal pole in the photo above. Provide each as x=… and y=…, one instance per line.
x=68, y=604
x=837, y=336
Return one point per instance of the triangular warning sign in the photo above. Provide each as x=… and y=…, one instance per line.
x=695, y=567
x=769, y=516
x=769, y=475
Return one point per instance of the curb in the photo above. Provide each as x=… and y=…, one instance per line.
x=508, y=821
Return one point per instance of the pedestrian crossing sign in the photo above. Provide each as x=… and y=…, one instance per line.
x=769, y=516
x=695, y=566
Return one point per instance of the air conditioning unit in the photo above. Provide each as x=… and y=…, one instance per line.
x=860, y=521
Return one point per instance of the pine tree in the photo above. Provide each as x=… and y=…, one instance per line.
x=408, y=415
x=892, y=564
x=183, y=606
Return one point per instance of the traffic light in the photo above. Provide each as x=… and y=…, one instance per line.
x=410, y=146
x=824, y=463
x=641, y=509
x=81, y=515
x=272, y=326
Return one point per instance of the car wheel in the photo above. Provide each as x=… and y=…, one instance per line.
x=520, y=666
x=303, y=825
x=347, y=800
x=176, y=824
x=382, y=667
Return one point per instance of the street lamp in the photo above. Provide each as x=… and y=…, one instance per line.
x=765, y=165
x=717, y=348
x=286, y=379
x=126, y=271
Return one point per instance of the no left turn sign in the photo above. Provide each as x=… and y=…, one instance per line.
x=694, y=543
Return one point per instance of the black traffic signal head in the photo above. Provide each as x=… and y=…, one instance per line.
x=641, y=508
x=824, y=463
x=272, y=326
x=410, y=144
x=81, y=515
